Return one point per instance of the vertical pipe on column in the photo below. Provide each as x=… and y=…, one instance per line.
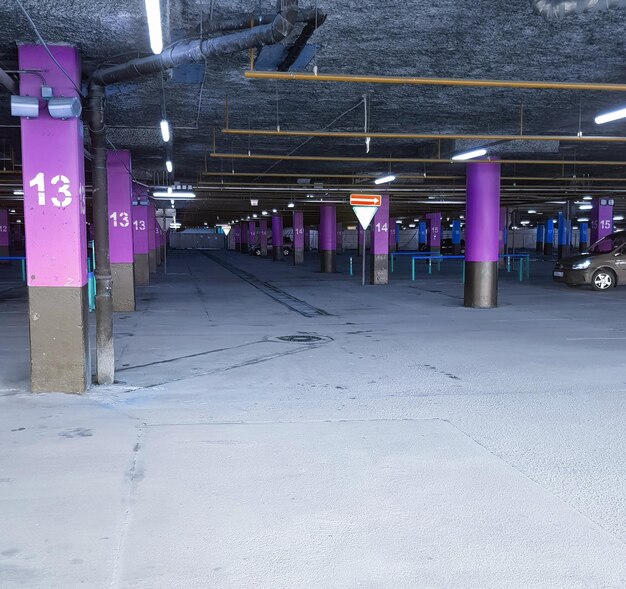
x=105, y=356
x=328, y=238
x=482, y=223
x=379, y=257
x=298, y=237
x=277, y=238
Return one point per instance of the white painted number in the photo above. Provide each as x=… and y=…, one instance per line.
x=606, y=224
x=120, y=219
x=139, y=225
x=4, y=229
x=382, y=227
x=62, y=191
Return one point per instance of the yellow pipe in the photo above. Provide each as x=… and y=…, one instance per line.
x=324, y=158
x=428, y=136
x=421, y=81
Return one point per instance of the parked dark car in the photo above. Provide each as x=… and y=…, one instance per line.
x=602, y=266
x=287, y=246
x=447, y=247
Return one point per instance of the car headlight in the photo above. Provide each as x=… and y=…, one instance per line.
x=582, y=265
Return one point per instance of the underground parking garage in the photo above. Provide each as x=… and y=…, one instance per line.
x=312, y=294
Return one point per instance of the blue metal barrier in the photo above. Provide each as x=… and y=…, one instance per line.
x=22, y=259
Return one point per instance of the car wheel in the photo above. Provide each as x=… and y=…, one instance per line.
x=602, y=280
x=286, y=251
x=257, y=251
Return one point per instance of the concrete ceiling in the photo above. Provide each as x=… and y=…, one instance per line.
x=448, y=38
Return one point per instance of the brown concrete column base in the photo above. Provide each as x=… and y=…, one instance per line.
x=152, y=260
x=59, y=339
x=328, y=261
x=547, y=249
x=277, y=253
x=264, y=251
x=142, y=270
x=379, y=269
x=4, y=251
x=298, y=256
x=123, y=277
x=481, y=285
x=157, y=253
x=582, y=246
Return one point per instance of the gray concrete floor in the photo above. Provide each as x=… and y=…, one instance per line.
x=414, y=444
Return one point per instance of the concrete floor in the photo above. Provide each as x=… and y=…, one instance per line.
x=414, y=444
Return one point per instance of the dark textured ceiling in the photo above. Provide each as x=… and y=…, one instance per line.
x=447, y=38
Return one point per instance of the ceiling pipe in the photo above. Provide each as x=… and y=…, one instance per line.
x=412, y=160
x=179, y=53
x=418, y=81
x=425, y=136
x=245, y=21
x=554, y=9
x=9, y=83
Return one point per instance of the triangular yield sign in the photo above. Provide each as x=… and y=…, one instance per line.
x=226, y=229
x=365, y=215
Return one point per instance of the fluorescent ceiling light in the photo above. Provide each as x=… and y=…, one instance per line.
x=174, y=195
x=468, y=155
x=618, y=218
x=525, y=222
x=585, y=207
x=399, y=222
x=165, y=131
x=385, y=179
x=587, y=197
x=411, y=225
x=290, y=205
x=442, y=202
x=274, y=210
x=18, y=192
x=153, y=12
x=255, y=215
x=582, y=219
x=532, y=211
x=611, y=116
x=169, y=166
x=264, y=212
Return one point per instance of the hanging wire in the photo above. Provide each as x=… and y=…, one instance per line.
x=277, y=114
x=45, y=45
x=315, y=44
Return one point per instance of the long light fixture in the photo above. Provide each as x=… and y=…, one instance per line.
x=291, y=205
x=468, y=155
x=165, y=131
x=176, y=195
x=585, y=207
x=169, y=166
x=385, y=179
x=611, y=116
x=153, y=12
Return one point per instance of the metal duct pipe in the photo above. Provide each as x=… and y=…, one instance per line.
x=553, y=9
x=8, y=82
x=245, y=21
x=105, y=369
x=197, y=50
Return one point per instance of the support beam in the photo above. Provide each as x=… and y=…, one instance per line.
x=482, y=222
x=548, y=244
x=541, y=230
x=434, y=232
x=121, y=251
x=601, y=223
x=456, y=237
x=328, y=238
x=583, y=239
x=141, y=246
x=263, y=237
x=298, y=237
x=56, y=236
x=379, y=257
x=152, y=237
x=277, y=238
x=5, y=235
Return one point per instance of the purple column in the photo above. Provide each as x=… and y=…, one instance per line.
x=339, y=239
x=244, y=237
x=328, y=238
x=141, y=246
x=379, y=260
x=307, y=239
x=54, y=214
x=251, y=235
x=121, y=252
x=4, y=233
x=277, y=238
x=237, y=233
x=434, y=232
x=392, y=234
x=482, y=224
x=151, y=236
x=601, y=221
x=263, y=237
x=298, y=237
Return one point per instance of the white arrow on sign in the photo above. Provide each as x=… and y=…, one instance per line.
x=365, y=215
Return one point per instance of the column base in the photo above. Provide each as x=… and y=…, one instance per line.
x=142, y=270
x=238, y=247
x=4, y=251
x=123, y=291
x=379, y=269
x=328, y=261
x=152, y=260
x=159, y=258
x=563, y=251
x=264, y=251
x=60, y=361
x=481, y=285
x=456, y=249
x=277, y=253
x=298, y=256
x=539, y=248
x=582, y=246
x=547, y=249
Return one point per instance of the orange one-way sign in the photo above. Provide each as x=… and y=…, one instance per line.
x=365, y=200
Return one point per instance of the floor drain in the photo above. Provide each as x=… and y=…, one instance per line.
x=301, y=339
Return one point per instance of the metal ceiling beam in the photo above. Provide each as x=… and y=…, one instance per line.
x=415, y=160
x=423, y=81
x=425, y=136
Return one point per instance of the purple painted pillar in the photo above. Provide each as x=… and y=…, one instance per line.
x=601, y=221
x=307, y=239
x=244, y=237
x=121, y=252
x=251, y=235
x=151, y=236
x=4, y=233
x=298, y=237
x=434, y=232
x=379, y=257
x=141, y=247
x=263, y=237
x=237, y=232
x=328, y=238
x=54, y=214
x=339, y=238
x=482, y=224
x=277, y=238
x=392, y=235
